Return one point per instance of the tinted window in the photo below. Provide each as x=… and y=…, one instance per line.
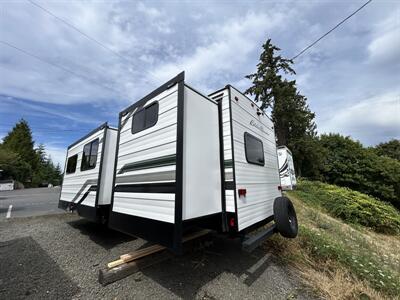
x=145, y=118
x=138, y=121
x=254, y=149
x=89, y=156
x=71, y=164
x=93, y=153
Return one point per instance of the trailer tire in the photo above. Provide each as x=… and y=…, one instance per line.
x=285, y=217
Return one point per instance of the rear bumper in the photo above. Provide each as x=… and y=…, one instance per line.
x=252, y=242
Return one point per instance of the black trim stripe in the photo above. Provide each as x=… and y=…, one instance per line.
x=224, y=221
x=284, y=166
x=71, y=205
x=233, y=158
x=178, y=228
x=216, y=96
x=229, y=185
x=87, y=182
x=165, y=187
x=103, y=147
x=228, y=163
x=93, y=188
x=157, y=162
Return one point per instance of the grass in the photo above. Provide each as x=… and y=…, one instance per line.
x=339, y=260
x=350, y=206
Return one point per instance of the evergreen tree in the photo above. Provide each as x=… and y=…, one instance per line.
x=21, y=161
x=268, y=79
x=293, y=120
x=13, y=167
x=19, y=140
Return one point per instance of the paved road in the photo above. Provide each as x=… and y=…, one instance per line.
x=29, y=202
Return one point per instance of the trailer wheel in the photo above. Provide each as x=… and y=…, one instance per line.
x=285, y=217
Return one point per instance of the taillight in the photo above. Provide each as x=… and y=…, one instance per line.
x=242, y=192
x=232, y=222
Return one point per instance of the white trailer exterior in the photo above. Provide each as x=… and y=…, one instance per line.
x=168, y=165
x=88, y=181
x=286, y=169
x=181, y=160
x=250, y=159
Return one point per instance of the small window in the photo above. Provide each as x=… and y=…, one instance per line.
x=254, y=149
x=89, y=156
x=71, y=164
x=145, y=118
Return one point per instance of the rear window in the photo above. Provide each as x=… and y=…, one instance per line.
x=254, y=149
x=71, y=164
x=89, y=156
x=145, y=118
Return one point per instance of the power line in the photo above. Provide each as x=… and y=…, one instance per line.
x=92, y=39
x=340, y=23
x=59, y=66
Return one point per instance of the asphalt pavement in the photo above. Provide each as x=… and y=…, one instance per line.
x=29, y=202
x=59, y=257
x=55, y=255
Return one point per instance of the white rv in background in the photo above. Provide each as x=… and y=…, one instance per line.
x=184, y=160
x=87, y=182
x=286, y=169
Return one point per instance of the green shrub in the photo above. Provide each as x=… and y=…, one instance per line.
x=349, y=164
x=350, y=206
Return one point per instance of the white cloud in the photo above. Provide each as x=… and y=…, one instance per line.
x=370, y=120
x=227, y=49
x=57, y=155
x=48, y=38
x=215, y=43
x=384, y=47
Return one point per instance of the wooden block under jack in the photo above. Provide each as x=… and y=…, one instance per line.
x=107, y=276
x=125, y=258
x=133, y=262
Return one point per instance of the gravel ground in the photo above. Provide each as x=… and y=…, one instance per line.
x=59, y=256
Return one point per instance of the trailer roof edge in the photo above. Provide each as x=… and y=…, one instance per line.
x=178, y=78
x=102, y=126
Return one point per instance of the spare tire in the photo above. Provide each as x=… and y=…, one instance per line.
x=285, y=217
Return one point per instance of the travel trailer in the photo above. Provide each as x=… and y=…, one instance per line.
x=88, y=182
x=168, y=165
x=185, y=160
x=286, y=169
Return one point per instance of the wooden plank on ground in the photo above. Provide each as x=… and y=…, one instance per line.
x=107, y=276
x=135, y=261
x=125, y=258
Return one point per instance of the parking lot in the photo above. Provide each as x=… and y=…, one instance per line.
x=29, y=202
x=60, y=255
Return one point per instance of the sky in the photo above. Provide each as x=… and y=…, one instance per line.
x=351, y=78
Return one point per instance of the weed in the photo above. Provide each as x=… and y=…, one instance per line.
x=340, y=261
